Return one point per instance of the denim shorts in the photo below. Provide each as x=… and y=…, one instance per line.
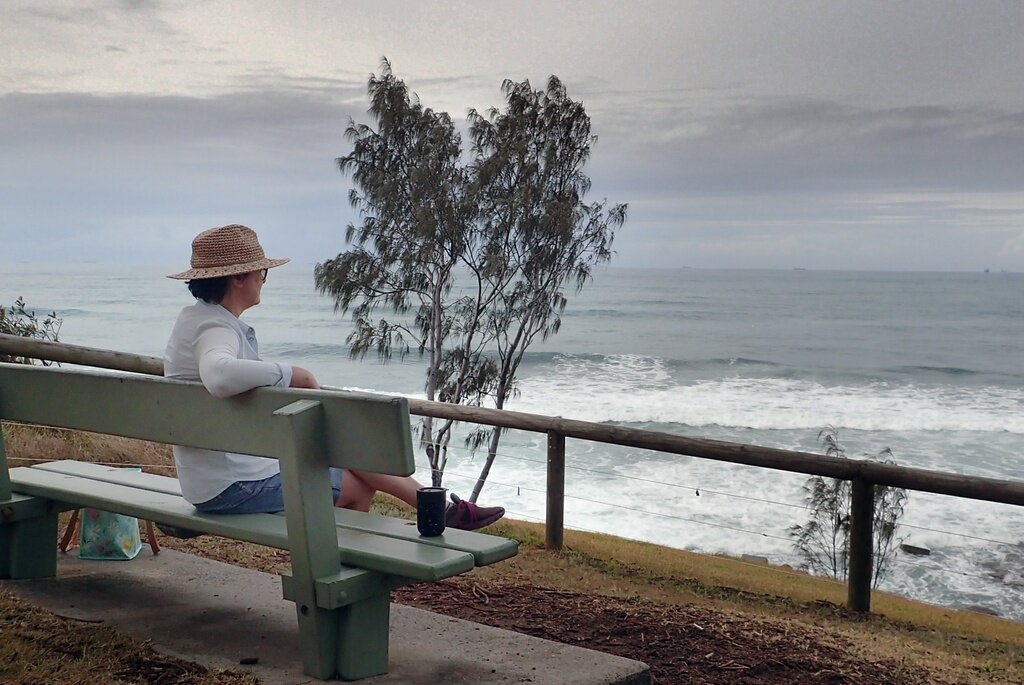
x=257, y=496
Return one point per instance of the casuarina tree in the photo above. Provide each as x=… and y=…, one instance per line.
x=824, y=541
x=529, y=171
x=463, y=255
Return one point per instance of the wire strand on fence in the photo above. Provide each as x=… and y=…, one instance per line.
x=126, y=464
x=682, y=486
x=962, y=535
x=694, y=488
x=49, y=428
x=505, y=455
x=627, y=508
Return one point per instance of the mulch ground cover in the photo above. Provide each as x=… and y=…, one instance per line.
x=681, y=644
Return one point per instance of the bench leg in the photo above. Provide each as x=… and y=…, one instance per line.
x=318, y=632
x=28, y=548
x=350, y=642
x=363, y=637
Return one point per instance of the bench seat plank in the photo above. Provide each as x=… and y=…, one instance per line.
x=363, y=550
x=486, y=549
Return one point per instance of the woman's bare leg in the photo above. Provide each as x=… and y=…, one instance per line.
x=359, y=487
x=355, y=493
x=402, y=487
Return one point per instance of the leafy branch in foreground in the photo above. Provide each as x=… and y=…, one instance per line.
x=17, y=320
x=824, y=541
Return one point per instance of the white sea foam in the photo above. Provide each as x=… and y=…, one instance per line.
x=633, y=389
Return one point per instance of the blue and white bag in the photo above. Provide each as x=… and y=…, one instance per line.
x=109, y=536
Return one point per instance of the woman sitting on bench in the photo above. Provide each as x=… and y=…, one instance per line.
x=210, y=343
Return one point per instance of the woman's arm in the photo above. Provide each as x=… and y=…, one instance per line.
x=216, y=349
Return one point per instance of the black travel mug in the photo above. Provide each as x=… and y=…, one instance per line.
x=430, y=511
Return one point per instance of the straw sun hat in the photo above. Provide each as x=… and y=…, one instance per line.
x=227, y=251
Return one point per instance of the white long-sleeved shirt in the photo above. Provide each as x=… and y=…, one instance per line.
x=212, y=345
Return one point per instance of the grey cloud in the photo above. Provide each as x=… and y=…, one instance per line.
x=814, y=145
x=162, y=166
x=81, y=23
x=95, y=12
x=30, y=120
x=64, y=15
x=854, y=186
x=343, y=86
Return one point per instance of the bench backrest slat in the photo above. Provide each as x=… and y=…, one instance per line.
x=361, y=431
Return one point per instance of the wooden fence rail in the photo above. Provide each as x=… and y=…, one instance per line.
x=863, y=474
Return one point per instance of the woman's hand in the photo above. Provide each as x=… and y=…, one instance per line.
x=302, y=378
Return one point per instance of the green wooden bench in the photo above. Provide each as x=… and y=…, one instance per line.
x=344, y=563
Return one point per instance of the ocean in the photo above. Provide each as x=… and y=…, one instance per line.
x=929, y=365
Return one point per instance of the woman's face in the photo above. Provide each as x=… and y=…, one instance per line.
x=252, y=286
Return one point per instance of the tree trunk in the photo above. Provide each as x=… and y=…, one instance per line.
x=427, y=434
x=492, y=452
x=443, y=439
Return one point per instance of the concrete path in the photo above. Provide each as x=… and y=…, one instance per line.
x=218, y=615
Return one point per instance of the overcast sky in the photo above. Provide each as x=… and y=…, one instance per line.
x=842, y=135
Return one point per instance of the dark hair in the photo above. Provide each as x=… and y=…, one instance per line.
x=209, y=290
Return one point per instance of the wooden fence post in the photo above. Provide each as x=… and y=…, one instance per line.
x=862, y=514
x=554, y=530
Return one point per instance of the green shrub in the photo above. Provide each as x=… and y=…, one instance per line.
x=17, y=320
